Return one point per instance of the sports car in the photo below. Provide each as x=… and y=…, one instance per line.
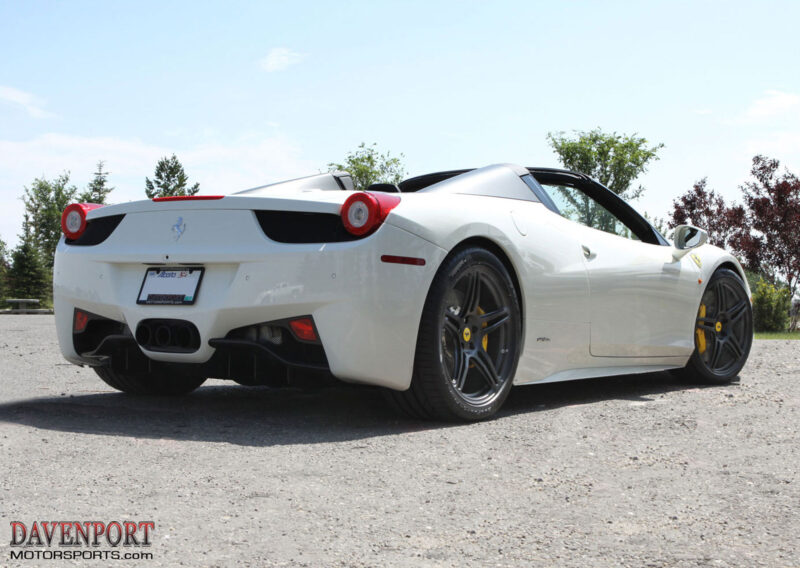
x=445, y=290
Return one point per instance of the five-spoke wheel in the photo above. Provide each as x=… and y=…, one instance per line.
x=469, y=341
x=476, y=329
x=724, y=330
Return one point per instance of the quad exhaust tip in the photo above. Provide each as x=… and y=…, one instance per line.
x=168, y=336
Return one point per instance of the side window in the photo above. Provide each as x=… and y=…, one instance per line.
x=579, y=207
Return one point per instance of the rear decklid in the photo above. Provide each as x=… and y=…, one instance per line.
x=201, y=230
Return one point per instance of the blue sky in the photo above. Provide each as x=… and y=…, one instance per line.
x=248, y=93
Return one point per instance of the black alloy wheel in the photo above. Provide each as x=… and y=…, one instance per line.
x=469, y=341
x=475, y=331
x=723, y=330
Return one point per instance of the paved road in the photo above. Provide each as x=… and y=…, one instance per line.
x=635, y=471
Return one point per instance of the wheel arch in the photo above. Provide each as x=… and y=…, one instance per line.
x=738, y=269
x=732, y=266
x=497, y=250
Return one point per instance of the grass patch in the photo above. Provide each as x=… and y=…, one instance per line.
x=778, y=335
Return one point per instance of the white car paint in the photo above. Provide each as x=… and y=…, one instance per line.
x=623, y=307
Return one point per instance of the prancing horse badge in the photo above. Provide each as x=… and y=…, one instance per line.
x=178, y=228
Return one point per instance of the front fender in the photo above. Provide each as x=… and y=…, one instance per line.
x=713, y=258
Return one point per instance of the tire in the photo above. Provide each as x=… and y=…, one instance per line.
x=723, y=331
x=469, y=341
x=150, y=383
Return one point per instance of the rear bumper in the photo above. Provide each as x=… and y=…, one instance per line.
x=248, y=362
x=367, y=312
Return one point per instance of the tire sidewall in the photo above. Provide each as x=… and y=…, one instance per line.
x=449, y=274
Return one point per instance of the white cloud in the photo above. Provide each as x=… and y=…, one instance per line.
x=279, y=58
x=218, y=167
x=772, y=104
x=31, y=103
x=785, y=146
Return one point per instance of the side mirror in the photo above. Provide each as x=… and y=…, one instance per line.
x=687, y=238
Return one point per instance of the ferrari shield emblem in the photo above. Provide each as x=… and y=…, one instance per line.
x=697, y=260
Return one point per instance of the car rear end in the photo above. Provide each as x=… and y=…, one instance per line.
x=244, y=287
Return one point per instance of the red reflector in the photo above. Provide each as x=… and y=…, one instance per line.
x=188, y=198
x=403, y=260
x=303, y=328
x=81, y=319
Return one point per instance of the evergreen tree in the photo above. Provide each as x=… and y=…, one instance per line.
x=3, y=272
x=28, y=276
x=45, y=201
x=98, y=189
x=170, y=179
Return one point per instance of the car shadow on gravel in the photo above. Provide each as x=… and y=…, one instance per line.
x=260, y=416
x=634, y=388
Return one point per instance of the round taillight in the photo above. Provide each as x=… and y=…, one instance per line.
x=360, y=213
x=363, y=212
x=73, y=220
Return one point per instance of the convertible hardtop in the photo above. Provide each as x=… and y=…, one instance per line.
x=542, y=175
x=641, y=227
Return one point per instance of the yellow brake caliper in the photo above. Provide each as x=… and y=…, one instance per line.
x=700, y=333
x=485, y=340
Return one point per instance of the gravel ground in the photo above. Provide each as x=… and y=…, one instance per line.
x=627, y=471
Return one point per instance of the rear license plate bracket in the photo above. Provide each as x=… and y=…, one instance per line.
x=170, y=286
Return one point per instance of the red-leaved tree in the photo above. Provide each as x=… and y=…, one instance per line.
x=764, y=233
x=773, y=212
x=704, y=208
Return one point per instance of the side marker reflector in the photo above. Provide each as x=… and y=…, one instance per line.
x=403, y=260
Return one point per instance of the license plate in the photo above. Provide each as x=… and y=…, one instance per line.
x=170, y=286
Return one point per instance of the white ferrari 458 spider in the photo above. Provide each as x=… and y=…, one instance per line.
x=445, y=290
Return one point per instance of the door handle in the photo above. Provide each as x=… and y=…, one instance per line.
x=587, y=252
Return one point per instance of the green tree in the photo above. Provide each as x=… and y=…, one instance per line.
x=170, y=179
x=367, y=166
x=45, y=201
x=3, y=271
x=660, y=225
x=28, y=276
x=98, y=189
x=615, y=160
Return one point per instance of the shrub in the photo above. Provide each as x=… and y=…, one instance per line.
x=771, y=307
